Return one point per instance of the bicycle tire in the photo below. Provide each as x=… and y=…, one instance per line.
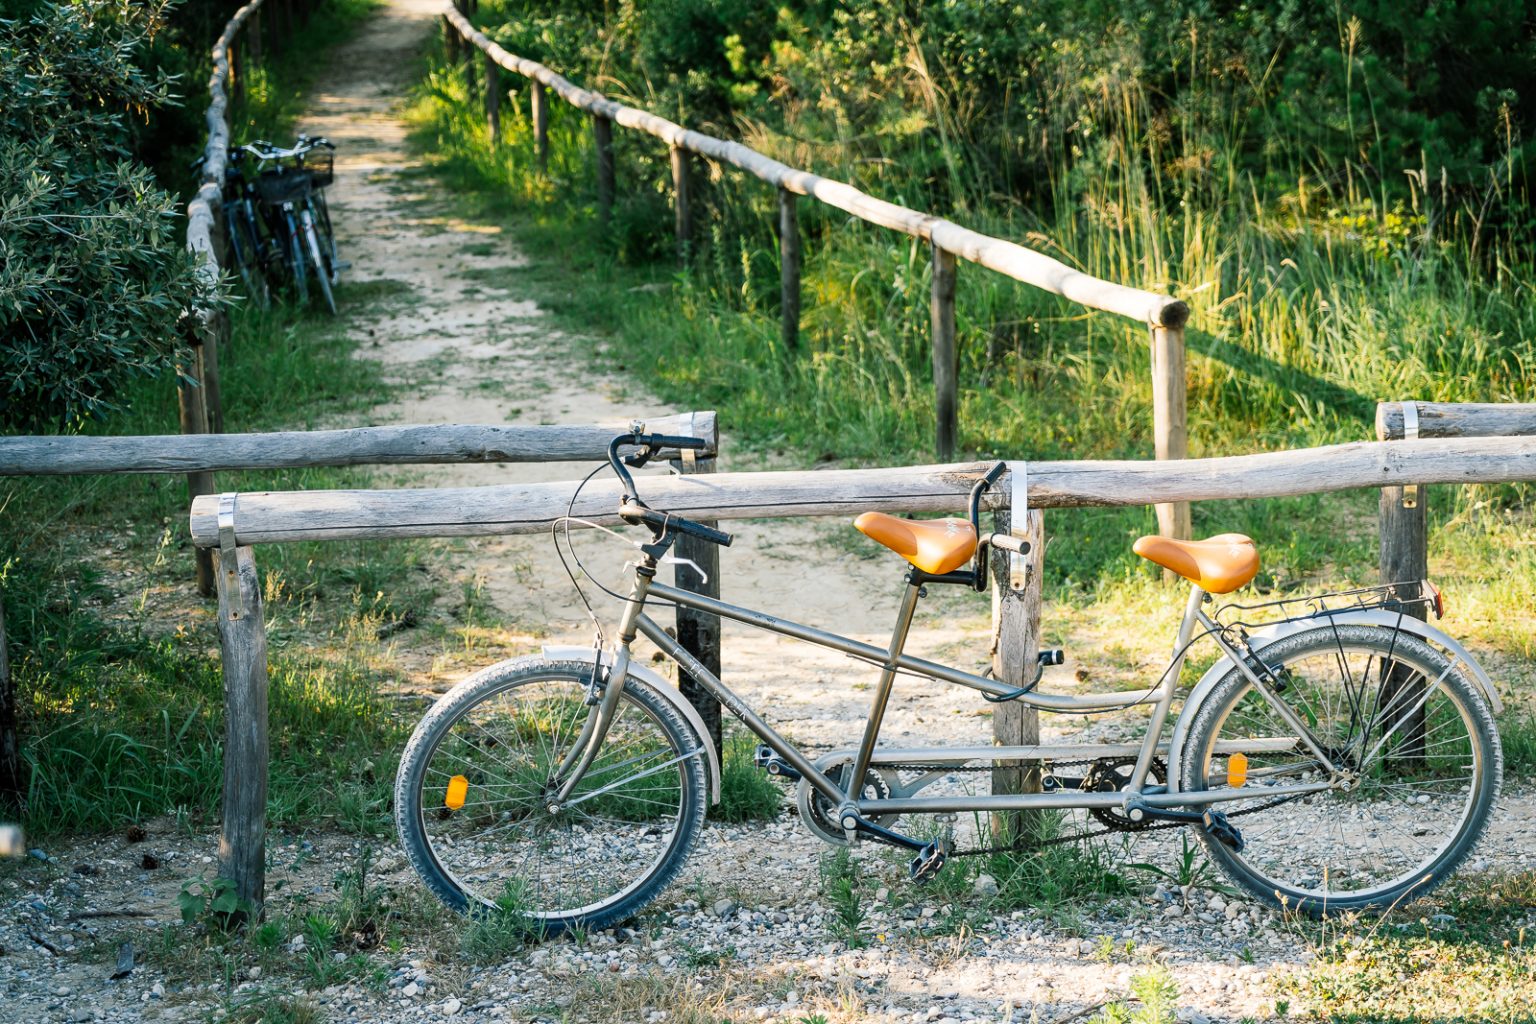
x=589, y=869
x=327, y=233
x=1439, y=785
x=321, y=261
x=245, y=244
x=295, y=246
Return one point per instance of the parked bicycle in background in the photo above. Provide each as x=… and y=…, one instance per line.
x=277, y=222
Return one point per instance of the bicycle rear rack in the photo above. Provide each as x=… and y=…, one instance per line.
x=1407, y=596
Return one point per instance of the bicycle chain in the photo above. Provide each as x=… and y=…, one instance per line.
x=1077, y=836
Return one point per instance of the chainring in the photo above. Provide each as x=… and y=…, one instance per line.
x=1113, y=774
x=820, y=814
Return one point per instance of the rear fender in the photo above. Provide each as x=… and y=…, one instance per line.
x=1262, y=638
x=668, y=692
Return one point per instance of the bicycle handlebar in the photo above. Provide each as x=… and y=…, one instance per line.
x=632, y=509
x=633, y=513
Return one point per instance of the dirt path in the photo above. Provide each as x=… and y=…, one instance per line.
x=745, y=934
x=470, y=346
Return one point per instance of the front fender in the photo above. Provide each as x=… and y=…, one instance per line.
x=671, y=694
x=1262, y=638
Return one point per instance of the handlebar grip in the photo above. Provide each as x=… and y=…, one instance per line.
x=703, y=532
x=651, y=517
x=995, y=473
x=697, y=444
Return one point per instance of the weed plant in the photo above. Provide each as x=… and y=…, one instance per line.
x=747, y=793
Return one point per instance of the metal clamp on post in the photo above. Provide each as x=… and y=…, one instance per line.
x=1018, y=519
x=690, y=457
x=1410, y=433
x=228, y=564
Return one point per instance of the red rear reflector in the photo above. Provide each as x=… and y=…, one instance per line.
x=1437, y=599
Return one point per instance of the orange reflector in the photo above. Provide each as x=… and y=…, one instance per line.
x=458, y=789
x=1237, y=770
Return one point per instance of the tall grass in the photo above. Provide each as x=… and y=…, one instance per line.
x=122, y=696
x=1310, y=304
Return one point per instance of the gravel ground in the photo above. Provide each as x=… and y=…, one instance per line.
x=746, y=934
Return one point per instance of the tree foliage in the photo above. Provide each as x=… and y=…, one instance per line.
x=94, y=276
x=1029, y=98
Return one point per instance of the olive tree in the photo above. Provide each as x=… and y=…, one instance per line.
x=94, y=274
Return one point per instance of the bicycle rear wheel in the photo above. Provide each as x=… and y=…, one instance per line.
x=475, y=783
x=295, y=244
x=320, y=258
x=245, y=246
x=1414, y=738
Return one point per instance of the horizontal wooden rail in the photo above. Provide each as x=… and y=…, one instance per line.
x=1005, y=257
x=266, y=518
x=399, y=445
x=1456, y=419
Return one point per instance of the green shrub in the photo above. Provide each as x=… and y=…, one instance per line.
x=94, y=275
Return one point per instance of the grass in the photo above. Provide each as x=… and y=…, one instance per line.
x=1154, y=1000
x=495, y=934
x=1463, y=954
x=747, y=793
x=121, y=690
x=840, y=884
x=1299, y=328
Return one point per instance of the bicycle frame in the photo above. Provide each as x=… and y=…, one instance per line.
x=892, y=661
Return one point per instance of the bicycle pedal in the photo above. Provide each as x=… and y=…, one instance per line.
x=341, y=265
x=769, y=761
x=929, y=862
x=1223, y=831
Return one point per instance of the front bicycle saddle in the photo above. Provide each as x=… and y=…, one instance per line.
x=935, y=546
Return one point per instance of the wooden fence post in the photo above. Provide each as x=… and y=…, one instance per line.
x=944, y=369
x=1015, y=655
x=1170, y=419
x=190, y=400
x=602, y=140
x=243, y=643
x=699, y=632
x=1403, y=527
x=493, y=100
x=682, y=214
x=540, y=111
x=236, y=74
x=13, y=783
x=450, y=41
x=789, y=269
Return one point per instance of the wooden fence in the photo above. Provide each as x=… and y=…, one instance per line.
x=1164, y=316
x=1403, y=515
x=233, y=523
x=204, y=454
x=267, y=24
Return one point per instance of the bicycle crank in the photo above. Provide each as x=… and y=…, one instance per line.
x=1214, y=822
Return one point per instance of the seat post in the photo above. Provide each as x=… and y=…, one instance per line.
x=883, y=687
x=1169, y=685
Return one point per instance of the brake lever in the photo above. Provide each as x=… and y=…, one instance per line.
x=640, y=458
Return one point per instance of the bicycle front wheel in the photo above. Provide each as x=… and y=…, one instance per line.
x=322, y=260
x=1418, y=759
x=476, y=781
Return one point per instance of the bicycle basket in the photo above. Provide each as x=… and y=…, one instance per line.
x=320, y=163
x=285, y=185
